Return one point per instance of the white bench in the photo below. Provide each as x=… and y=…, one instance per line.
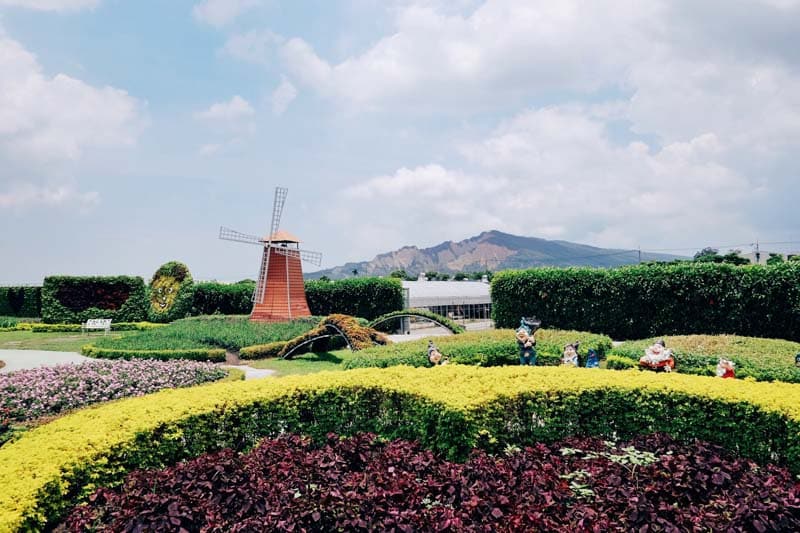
x=97, y=323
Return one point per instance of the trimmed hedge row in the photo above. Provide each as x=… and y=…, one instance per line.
x=448, y=409
x=75, y=299
x=216, y=355
x=646, y=300
x=223, y=299
x=362, y=297
x=38, y=327
x=21, y=301
x=760, y=359
x=445, y=322
x=480, y=348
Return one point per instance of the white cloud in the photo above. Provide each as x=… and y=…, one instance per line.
x=220, y=13
x=48, y=124
x=555, y=172
x=22, y=195
x=255, y=46
x=236, y=109
x=52, y=5
x=282, y=96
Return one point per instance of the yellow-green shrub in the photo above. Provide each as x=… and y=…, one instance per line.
x=261, y=351
x=449, y=409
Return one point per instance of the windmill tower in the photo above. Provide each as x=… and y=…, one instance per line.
x=280, y=294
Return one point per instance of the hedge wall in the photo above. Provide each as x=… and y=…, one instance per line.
x=75, y=299
x=643, y=301
x=21, y=301
x=224, y=299
x=362, y=297
x=450, y=409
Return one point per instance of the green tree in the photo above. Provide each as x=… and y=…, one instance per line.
x=400, y=273
x=775, y=259
x=459, y=276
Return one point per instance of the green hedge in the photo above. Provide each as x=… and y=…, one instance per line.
x=74, y=299
x=447, y=409
x=642, y=301
x=212, y=298
x=71, y=328
x=362, y=297
x=386, y=324
x=216, y=355
x=481, y=348
x=21, y=301
x=760, y=359
x=170, y=293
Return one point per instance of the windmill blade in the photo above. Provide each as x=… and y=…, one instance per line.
x=277, y=209
x=229, y=234
x=315, y=258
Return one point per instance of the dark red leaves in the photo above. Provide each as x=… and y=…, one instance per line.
x=365, y=484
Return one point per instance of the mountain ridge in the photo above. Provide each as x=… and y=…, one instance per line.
x=490, y=250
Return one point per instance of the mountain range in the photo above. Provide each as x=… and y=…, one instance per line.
x=491, y=250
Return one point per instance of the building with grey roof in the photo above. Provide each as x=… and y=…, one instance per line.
x=459, y=300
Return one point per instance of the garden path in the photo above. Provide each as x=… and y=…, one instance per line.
x=26, y=359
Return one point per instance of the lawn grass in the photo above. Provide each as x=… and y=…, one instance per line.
x=56, y=342
x=229, y=332
x=307, y=363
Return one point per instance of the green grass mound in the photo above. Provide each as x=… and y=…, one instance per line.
x=481, y=348
x=760, y=359
x=449, y=409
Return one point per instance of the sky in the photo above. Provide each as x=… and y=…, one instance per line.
x=130, y=131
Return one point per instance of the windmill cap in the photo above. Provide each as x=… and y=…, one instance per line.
x=282, y=236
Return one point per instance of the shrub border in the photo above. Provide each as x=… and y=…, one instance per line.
x=215, y=355
x=448, y=409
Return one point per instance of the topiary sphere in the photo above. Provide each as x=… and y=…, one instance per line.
x=171, y=291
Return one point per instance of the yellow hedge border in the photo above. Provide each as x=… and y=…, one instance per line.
x=43, y=455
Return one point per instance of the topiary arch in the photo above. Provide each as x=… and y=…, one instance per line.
x=443, y=321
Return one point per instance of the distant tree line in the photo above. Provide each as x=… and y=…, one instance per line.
x=442, y=276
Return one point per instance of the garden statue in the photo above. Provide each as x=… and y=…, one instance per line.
x=726, y=368
x=526, y=339
x=570, y=355
x=797, y=360
x=434, y=355
x=658, y=357
x=592, y=359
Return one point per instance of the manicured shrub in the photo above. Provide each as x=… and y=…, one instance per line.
x=73, y=328
x=362, y=297
x=365, y=483
x=170, y=293
x=449, y=409
x=356, y=336
x=642, y=301
x=21, y=301
x=30, y=394
x=615, y=362
x=480, y=348
x=760, y=359
x=73, y=300
x=225, y=299
x=384, y=320
x=193, y=354
x=262, y=351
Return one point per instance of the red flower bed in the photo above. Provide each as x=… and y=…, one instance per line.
x=363, y=483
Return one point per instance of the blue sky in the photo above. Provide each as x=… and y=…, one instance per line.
x=130, y=131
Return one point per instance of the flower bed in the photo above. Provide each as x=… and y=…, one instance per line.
x=449, y=409
x=761, y=359
x=31, y=394
x=482, y=348
x=365, y=483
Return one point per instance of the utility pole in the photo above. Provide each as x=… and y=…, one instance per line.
x=758, y=254
x=639, y=249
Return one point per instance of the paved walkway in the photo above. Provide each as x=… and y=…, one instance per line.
x=26, y=359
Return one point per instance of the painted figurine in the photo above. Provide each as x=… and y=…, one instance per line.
x=526, y=340
x=570, y=355
x=434, y=355
x=592, y=359
x=658, y=357
x=726, y=368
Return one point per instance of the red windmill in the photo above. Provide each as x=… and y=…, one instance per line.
x=280, y=293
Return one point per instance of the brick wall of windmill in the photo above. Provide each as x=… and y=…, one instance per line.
x=285, y=295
